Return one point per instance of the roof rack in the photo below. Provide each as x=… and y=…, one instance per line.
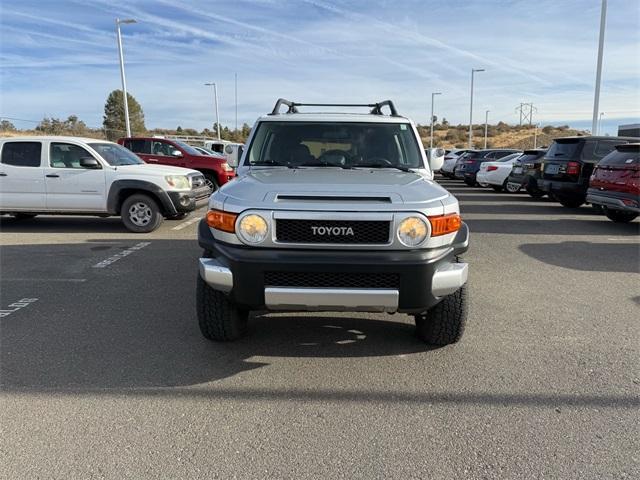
x=376, y=108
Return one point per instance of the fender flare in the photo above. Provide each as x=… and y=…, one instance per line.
x=114, y=196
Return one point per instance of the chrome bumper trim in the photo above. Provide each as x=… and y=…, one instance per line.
x=449, y=278
x=215, y=275
x=331, y=299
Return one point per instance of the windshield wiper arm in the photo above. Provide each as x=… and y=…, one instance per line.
x=402, y=168
x=264, y=163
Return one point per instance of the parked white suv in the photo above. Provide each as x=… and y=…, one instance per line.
x=334, y=212
x=70, y=175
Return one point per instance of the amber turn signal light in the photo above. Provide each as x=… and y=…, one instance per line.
x=443, y=224
x=224, y=221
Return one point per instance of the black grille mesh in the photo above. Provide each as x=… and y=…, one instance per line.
x=331, y=280
x=364, y=231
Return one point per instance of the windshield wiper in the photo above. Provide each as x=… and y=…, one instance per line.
x=324, y=164
x=264, y=163
x=402, y=168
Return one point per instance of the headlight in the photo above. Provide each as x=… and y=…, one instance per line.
x=225, y=166
x=253, y=228
x=412, y=231
x=178, y=181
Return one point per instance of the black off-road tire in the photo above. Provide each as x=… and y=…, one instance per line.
x=180, y=216
x=570, y=202
x=471, y=183
x=619, y=216
x=444, y=323
x=155, y=219
x=497, y=188
x=219, y=319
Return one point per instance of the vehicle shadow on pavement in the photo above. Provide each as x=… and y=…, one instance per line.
x=557, y=227
x=133, y=324
x=602, y=257
x=63, y=224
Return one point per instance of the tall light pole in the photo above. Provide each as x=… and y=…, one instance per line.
x=473, y=71
x=433, y=94
x=236, y=98
x=486, y=122
x=124, y=82
x=596, y=100
x=215, y=99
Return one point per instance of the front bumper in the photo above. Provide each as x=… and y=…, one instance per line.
x=185, y=202
x=626, y=202
x=422, y=281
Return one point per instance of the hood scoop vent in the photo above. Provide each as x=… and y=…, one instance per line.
x=332, y=198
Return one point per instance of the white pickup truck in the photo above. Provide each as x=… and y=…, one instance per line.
x=85, y=176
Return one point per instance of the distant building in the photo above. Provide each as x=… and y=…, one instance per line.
x=630, y=130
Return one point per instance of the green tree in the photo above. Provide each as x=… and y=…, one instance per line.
x=179, y=130
x=114, y=121
x=7, y=126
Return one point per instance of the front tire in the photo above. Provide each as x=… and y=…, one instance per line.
x=219, y=319
x=211, y=182
x=24, y=216
x=619, y=216
x=497, y=188
x=511, y=187
x=444, y=323
x=140, y=214
x=537, y=194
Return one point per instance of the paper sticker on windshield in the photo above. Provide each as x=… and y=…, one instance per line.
x=403, y=126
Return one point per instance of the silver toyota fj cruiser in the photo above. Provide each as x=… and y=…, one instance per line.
x=333, y=212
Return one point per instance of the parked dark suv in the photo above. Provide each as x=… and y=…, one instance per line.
x=568, y=164
x=468, y=167
x=526, y=171
x=615, y=183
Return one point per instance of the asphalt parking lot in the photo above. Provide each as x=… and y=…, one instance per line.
x=104, y=373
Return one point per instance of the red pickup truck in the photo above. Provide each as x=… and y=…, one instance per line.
x=163, y=151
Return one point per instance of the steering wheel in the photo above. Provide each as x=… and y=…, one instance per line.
x=336, y=152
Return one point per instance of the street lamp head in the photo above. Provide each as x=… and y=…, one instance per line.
x=477, y=69
x=126, y=20
x=436, y=93
x=210, y=84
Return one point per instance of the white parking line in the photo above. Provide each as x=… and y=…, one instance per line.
x=70, y=280
x=186, y=223
x=114, y=258
x=15, y=306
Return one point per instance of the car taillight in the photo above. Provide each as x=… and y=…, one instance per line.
x=468, y=161
x=573, y=168
x=491, y=168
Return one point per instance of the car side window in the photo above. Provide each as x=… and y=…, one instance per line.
x=161, y=148
x=21, y=154
x=604, y=148
x=138, y=146
x=67, y=155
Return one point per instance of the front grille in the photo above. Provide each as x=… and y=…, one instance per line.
x=332, y=280
x=368, y=232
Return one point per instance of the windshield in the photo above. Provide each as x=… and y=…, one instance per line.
x=187, y=148
x=116, y=155
x=561, y=149
x=327, y=144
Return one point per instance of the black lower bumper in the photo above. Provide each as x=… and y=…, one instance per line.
x=563, y=189
x=626, y=202
x=413, y=270
x=185, y=202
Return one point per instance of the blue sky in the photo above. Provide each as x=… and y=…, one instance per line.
x=60, y=58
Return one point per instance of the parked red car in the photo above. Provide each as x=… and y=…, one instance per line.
x=615, y=183
x=164, y=151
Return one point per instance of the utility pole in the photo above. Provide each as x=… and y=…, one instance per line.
x=535, y=137
x=122, y=77
x=473, y=71
x=433, y=94
x=236, y=96
x=596, y=99
x=486, y=123
x=215, y=99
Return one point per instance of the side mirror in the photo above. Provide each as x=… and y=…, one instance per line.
x=90, y=162
x=436, y=158
x=233, y=158
x=176, y=153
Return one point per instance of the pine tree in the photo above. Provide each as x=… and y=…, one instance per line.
x=114, y=121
